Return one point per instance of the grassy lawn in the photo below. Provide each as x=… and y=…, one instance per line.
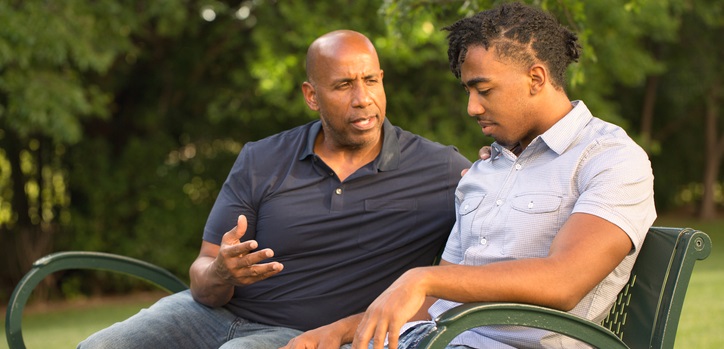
x=63, y=326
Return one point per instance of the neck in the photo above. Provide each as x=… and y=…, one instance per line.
x=344, y=161
x=551, y=106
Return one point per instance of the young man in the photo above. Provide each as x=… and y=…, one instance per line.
x=556, y=216
x=327, y=216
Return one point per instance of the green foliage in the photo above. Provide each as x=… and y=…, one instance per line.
x=44, y=47
x=693, y=75
x=594, y=79
x=119, y=121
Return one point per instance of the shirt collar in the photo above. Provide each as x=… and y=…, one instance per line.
x=387, y=160
x=562, y=134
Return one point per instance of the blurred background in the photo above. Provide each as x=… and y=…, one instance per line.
x=119, y=120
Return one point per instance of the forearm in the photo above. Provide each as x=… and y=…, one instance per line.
x=585, y=250
x=207, y=287
x=525, y=281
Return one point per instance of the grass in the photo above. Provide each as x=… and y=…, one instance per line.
x=63, y=326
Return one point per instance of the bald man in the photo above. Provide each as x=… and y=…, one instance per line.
x=312, y=223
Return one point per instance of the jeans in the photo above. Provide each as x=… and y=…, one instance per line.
x=412, y=337
x=177, y=321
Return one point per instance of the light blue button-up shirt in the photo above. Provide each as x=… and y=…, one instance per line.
x=512, y=207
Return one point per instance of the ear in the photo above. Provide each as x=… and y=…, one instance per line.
x=310, y=95
x=538, y=78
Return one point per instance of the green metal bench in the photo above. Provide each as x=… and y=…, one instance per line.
x=79, y=260
x=645, y=316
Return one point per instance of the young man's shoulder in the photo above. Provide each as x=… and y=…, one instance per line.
x=613, y=139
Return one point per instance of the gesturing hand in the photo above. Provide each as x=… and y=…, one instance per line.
x=237, y=262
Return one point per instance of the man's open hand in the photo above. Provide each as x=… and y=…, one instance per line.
x=238, y=264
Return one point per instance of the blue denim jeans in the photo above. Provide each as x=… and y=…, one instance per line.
x=412, y=337
x=177, y=321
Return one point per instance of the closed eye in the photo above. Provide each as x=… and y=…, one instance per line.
x=343, y=85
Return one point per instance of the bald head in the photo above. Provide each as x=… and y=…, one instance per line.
x=334, y=44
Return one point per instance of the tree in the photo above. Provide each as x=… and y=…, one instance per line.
x=45, y=50
x=136, y=160
x=119, y=121
x=689, y=102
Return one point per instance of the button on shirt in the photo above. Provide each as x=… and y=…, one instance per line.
x=511, y=207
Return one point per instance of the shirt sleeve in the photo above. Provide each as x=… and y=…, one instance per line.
x=234, y=199
x=616, y=184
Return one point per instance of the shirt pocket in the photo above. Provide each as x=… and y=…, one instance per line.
x=388, y=224
x=467, y=213
x=533, y=222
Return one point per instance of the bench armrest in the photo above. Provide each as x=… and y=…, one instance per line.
x=467, y=316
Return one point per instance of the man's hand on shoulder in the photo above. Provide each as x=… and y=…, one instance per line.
x=483, y=154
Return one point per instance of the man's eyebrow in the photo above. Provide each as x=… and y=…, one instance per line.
x=341, y=80
x=366, y=77
x=474, y=81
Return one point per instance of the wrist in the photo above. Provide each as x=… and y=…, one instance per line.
x=216, y=273
x=419, y=279
x=211, y=285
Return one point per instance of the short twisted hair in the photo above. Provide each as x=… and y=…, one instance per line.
x=518, y=32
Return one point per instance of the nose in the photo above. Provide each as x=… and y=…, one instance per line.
x=475, y=108
x=361, y=96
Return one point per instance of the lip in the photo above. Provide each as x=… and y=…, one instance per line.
x=486, y=126
x=365, y=123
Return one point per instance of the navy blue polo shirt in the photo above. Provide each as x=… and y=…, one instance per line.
x=341, y=243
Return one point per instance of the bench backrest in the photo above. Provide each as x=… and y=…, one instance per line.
x=78, y=260
x=647, y=312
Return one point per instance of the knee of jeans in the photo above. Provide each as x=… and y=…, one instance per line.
x=98, y=342
x=256, y=342
x=86, y=345
x=115, y=336
x=242, y=343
